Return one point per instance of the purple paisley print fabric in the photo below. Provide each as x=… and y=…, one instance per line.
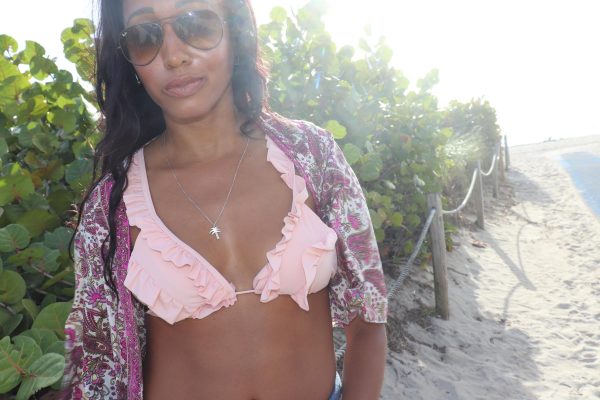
x=106, y=339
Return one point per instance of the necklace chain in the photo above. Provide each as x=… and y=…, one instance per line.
x=214, y=230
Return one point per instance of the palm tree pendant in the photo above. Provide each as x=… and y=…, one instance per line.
x=215, y=231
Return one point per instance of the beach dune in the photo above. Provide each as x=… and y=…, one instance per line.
x=524, y=296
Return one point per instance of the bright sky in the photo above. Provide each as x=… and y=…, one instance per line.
x=536, y=61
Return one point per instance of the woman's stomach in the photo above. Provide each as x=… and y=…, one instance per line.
x=251, y=350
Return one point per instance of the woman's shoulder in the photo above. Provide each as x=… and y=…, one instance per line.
x=95, y=208
x=302, y=137
x=291, y=125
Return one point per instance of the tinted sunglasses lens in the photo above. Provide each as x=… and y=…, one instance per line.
x=201, y=29
x=141, y=43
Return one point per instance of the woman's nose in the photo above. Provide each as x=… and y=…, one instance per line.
x=174, y=51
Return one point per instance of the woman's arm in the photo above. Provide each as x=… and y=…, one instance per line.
x=87, y=346
x=358, y=293
x=364, y=362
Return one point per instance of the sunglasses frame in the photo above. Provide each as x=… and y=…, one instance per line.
x=161, y=23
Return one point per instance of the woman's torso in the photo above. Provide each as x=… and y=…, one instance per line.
x=251, y=350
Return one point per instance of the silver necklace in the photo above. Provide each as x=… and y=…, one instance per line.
x=214, y=230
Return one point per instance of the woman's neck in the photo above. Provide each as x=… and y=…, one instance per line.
x=210, y=138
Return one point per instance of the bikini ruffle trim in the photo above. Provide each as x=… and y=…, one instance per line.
x=210, y=287
x=267, y=282
x=311, y=259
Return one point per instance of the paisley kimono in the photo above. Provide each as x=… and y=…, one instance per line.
x=106, y=341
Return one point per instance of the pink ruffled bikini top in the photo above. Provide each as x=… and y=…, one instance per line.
x=176, y=282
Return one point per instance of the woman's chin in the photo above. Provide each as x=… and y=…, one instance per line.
x=193, y=109
x=192, y=114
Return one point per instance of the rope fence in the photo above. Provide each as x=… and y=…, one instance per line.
x=434, y=225
x=467, y=198
x=486, y=174
x=395, y=290
x=476, y=186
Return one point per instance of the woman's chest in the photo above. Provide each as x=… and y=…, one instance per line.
x=249, y=209
x=269, y=240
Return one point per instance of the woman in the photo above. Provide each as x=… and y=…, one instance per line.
x=222, y=241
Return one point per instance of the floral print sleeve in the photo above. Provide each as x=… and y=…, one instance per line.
x=90, y=367
x=358, y=288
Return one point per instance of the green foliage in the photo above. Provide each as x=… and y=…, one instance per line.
x=12, y=287
x=476, y=134
x=391, y=135
x=24, y=363
x=474, y=124
x=44, y=371
x=79, y=49
x=46, y=125
x=52, y=317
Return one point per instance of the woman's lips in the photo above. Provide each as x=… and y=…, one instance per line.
x=184, y=87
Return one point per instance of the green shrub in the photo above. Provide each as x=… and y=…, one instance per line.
x=476, y=135
x=47, y=133
x=391, y=135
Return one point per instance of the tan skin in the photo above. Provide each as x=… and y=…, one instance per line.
x=251, y=350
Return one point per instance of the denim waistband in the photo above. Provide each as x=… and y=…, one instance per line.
x=336, y=394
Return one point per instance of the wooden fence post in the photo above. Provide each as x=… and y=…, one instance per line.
x=479, y=197
x=495, y=173
x=438, y=246
x=507, y=152
x=501, y=161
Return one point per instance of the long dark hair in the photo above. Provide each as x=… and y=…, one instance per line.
x=130, y=116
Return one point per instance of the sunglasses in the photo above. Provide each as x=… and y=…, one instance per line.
x=201, y=29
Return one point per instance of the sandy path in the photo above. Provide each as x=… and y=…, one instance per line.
x=525, y=309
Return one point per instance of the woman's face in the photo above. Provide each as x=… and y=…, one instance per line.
x=187, y=83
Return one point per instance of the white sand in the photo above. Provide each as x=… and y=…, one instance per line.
x=525, y=310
